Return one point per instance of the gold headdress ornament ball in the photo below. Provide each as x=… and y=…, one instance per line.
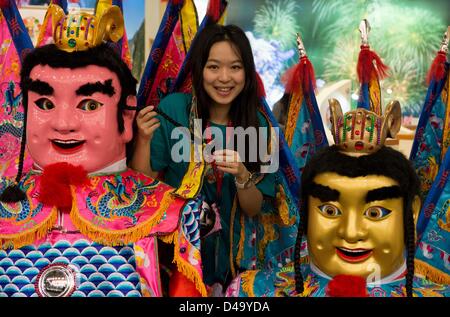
x=361, y=131
x=81, y=31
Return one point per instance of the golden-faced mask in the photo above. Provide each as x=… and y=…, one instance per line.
x=355, y=225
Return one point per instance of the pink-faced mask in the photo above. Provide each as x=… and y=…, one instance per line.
x=72, y=117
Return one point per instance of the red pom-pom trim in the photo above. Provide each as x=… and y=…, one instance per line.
x=437, y=69
x=55, y=184
x=347, y=286
x=368, y=62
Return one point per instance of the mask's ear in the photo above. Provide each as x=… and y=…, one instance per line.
x=416, y=204
x=128, y=118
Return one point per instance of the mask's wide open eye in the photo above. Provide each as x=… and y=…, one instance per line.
x=376, y=213
x=330, y=210
x=44, y=104
x=89, y=105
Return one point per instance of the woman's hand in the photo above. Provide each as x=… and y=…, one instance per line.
x=229, y=161
x=147, y=123
x=250, y=199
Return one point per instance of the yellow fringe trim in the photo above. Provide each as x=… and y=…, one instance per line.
x=191, y=184
x=118, y=237
x=24, y=238
x=283, y=208
x=189, y=23
x=375, y=95
x=168, y=238
x=240, y=253
x=431, y=273
x=269, y=235
x=233, y=216
x=184, y=268
x=248, y=282
x=294, y=109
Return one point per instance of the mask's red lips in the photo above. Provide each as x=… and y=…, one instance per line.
x=67, y=146
x=353, y=255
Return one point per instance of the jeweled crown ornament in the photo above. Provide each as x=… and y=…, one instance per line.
x=363, y=131
x=81, y=31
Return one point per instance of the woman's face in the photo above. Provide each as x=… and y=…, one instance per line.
x=223, y=74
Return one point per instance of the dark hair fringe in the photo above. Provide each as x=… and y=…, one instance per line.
x=385, y=162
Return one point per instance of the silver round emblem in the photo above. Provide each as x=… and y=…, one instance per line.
x=56, y=280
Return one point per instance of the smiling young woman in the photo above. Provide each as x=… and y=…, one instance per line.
x=224, y=95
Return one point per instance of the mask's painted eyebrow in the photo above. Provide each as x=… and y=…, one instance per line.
x=39, y=87
x=91, y=88
x=323, y=193
x=383, y=193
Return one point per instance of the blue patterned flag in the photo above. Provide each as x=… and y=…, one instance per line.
x=304, y=129
x=17, y=29
x=168, y=23
x=15, y=42
x=431, y=161
x=156, y=84
x=432, y=135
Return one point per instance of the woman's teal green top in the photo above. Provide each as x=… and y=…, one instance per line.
x=215, y=247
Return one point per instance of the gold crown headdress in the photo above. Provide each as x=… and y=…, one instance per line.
x=362, y=131
x=81, y=31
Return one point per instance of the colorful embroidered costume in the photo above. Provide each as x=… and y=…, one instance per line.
x=105, y=246
x=280, y=282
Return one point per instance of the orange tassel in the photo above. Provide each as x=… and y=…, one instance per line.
x=437, y=70
x=368, y=62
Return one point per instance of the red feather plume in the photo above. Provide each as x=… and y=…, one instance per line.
x=55, y=184
x=300, y=75
x=347, y=286
x=368, y=62
x=437, y=70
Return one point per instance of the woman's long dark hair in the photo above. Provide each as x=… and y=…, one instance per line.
x=243, y=112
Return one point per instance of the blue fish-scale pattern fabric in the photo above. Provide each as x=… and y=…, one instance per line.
x=101, y=271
